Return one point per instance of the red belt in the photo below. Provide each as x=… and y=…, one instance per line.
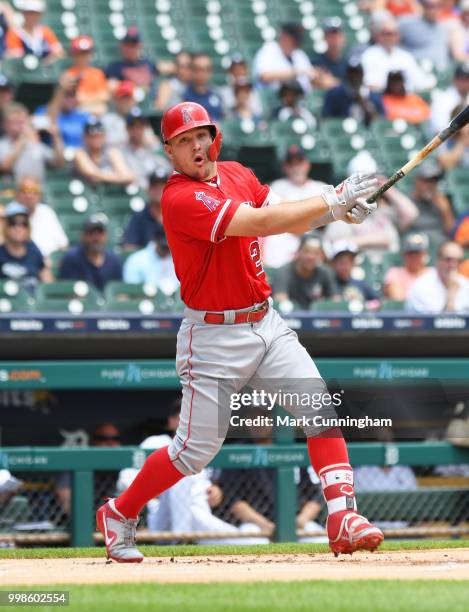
x=249, y=316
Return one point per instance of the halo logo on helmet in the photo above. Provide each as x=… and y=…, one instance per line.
x=186, y=116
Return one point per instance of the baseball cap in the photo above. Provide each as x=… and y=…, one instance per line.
x=15, y=208
x=35, y=6
x=342, y=246
x=5, y=82
x=81, y=43
x=415, y=243
x=160, y=175
x=125, y=88
x=135, y=116
x=294, y=152
x=132, y=36
x=332, y=24
x=94, y=126
x=96, y=221
x=430, y=169
x=310, y=239
x=462, y=70
x=237, y=58
x=291, y=85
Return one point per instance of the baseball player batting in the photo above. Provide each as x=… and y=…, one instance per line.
x=213, y=214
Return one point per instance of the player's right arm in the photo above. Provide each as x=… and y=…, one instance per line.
x=346, y=202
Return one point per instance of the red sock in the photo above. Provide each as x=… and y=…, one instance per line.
x=329, y=448
x=157, y=474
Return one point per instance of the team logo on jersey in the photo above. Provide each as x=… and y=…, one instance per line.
x=186, y=115
x=210, y=202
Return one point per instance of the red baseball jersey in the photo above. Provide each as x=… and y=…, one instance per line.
x=216, y=272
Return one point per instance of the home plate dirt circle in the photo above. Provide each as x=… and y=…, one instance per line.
x=446, y=564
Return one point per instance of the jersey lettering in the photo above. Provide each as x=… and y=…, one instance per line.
x=255, y=252
x=210, y=202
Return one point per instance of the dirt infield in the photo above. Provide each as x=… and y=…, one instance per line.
x=404, y=565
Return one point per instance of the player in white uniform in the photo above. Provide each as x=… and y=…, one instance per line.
x=213, y=214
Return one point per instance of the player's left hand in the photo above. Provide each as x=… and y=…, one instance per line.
x=361, y=211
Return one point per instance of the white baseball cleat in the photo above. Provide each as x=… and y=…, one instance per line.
x=119, y=534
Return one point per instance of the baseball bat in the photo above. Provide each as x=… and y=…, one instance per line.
x=456, y=124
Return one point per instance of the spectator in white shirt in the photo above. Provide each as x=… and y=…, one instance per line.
x=276, y=62
x=46, y=230
x=386, y=56
x=442, y=289
x=297, y=185
x=153, y=265
x=445, y=100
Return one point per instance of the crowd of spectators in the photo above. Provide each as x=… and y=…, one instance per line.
x=96, y=128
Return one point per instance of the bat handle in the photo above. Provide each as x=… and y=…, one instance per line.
x=385, y=186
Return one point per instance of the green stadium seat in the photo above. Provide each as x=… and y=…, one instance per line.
x=120, y=291
x=392, y=305
x=73, y=306
x=66, y=291
x=330, y=306
x=13, y=298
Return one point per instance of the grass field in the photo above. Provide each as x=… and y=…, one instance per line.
x=322, y=595
x=187, y=550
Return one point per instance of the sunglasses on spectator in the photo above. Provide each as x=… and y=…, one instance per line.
x=30, y=190
x=17, y=223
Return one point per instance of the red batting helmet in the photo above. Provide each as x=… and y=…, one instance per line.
x=186, y=116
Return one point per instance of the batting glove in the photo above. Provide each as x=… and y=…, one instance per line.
x=342, y=198
x=361, y=211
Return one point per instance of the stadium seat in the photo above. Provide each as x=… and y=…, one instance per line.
x=66, y=291
x=330, y=306
x=392, y=305
x=13, y=298
x=119, y=291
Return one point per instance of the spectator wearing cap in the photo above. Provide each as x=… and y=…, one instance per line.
x=21, y=151
x=332, y=64
x=284, y=60
x=342, y=263
x=443, y=288
x=386, y=54
x=171, y=90
x=115, y=120
x=245, y=105
x=399, y=279
x=46, y=230
x=63, y=110
x=444, y=101
x=398, y=104
x=353, y=98
x=91, y=84
x=91, y=261
x=200, y=89
x=154, y=265
x=133, y=65
x=296, y=184
x=142, y=157
x=6, y=97
x=145, y=224
x=20, y=258
x=305, y=280
x=291, y=104
x=239, y=97
x=435, y=217
x=33, y=37
x=98, y=163
x=427, y=37
x=454, y=153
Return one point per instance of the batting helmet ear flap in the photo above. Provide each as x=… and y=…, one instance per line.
x=214, y=149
